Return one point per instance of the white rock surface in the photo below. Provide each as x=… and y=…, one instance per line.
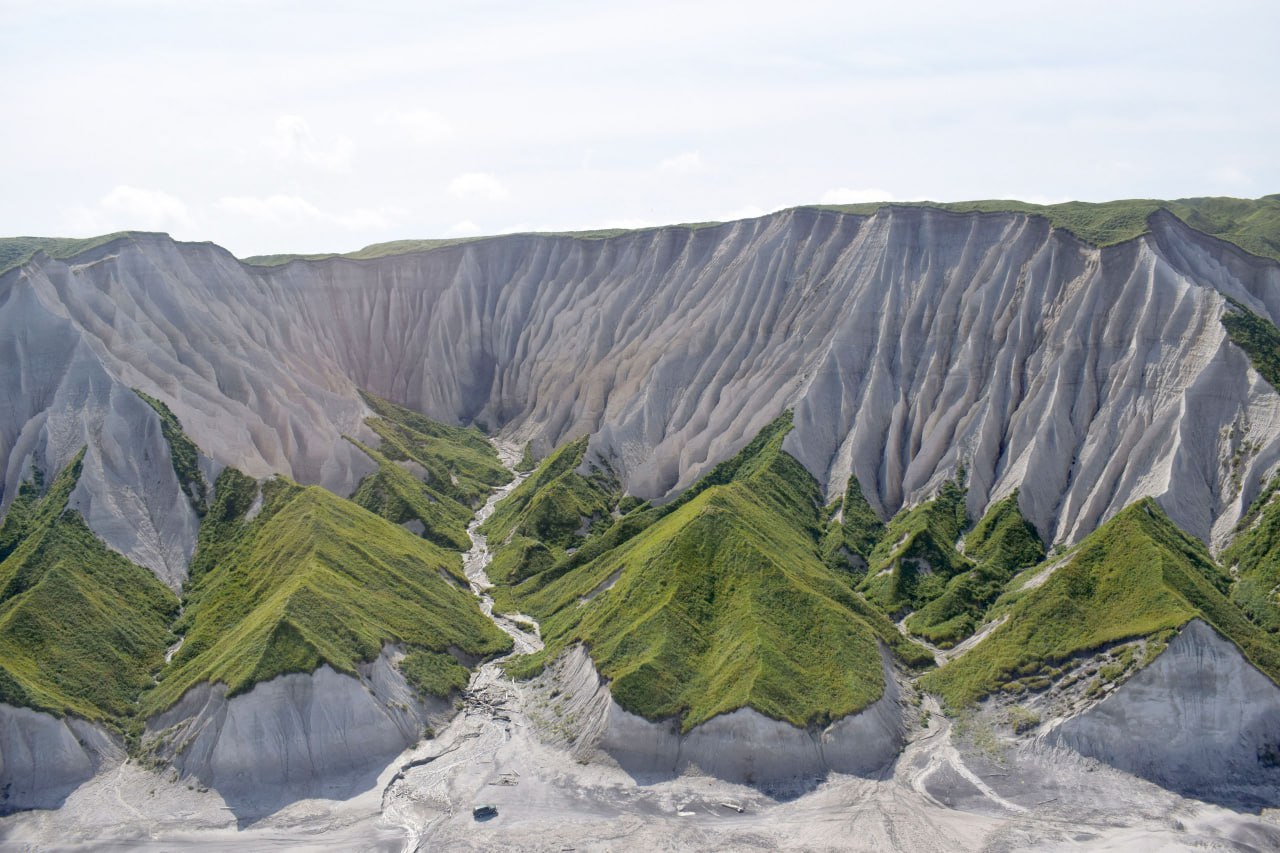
x=324, y=734
x=1198, y=719
x=907, y=342
x=44, y=758
x=743, y=746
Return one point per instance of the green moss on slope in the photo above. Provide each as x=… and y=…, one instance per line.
x=1136, y=576
x=723, y=602
x=81, y=628
x=314, y=580
x=459, y=465
x=1000, y=545
x=1258, y=338
x=550, y=512
x=916, y=555
x=434, y=673
x=16, y=251
x=849, y=542
x=1254, y=554
x=182, y=452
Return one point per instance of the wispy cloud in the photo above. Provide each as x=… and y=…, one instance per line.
x=127, y=207
x=848, y=195
x=683, y=164
x=293, y=141
x=292, y=210
x=424, y=127
x=479, y=185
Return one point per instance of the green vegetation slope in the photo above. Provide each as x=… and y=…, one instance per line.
x=456, y=468
x=81, y=628
x=313, y=579
x=1136, y=576
x=1254, y=558
x=1252, y=224
x=549, y=513
x=721, y=600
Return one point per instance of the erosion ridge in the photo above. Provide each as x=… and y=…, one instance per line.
x=932, y=340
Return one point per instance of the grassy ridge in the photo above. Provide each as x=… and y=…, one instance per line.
x=849, y=542
x=1136, y=576
x=1000, y=545
x=723, y=602
x=1252, y=224
x=916, y=554
x=16, y=251
x=1255, y=555
x=313, y=580
x=1258, y=338
x=460, y=467
x=538, y=522
x=81, y=628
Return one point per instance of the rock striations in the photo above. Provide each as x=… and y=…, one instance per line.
x=908, y=343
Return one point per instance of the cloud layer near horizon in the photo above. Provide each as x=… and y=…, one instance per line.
x=271, y=127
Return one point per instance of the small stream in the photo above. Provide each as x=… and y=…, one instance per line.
x=475, y=562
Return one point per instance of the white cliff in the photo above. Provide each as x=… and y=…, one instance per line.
x=1199, y=719
x=743, y=746
x=908, y=343
x=44, y=758
x=322, y=734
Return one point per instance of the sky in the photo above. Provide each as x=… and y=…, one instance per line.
x=319, y=126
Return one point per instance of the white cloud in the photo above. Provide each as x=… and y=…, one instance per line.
x=422, y=126
x=292, y=210
x=750, y=211
x=127, y=207
x=478, y=185
x=465, y=228
x=846, y=195
x=294, y=142
x=1230, y=175
x=685, y=163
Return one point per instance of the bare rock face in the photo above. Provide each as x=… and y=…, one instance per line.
x=60, y=398
x=908, y=343
x=1200, y=719
x=44, y=758
x=323, y=734
x=743, y=746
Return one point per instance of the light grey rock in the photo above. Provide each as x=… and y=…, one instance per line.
x=323, y=734
x=1199, y=719
x=742, y=746
x=44, y=758
x=908, y=343
x=60, y=398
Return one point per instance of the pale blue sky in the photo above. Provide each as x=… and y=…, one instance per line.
x=274, y=127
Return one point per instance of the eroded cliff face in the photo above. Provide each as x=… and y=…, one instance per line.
x=743, y=746
x=43, y=758
x=321, y=734
x=1199, y=719
x=908, y=343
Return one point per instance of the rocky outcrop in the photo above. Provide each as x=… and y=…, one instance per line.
x=44, y=758
x=908, y=343
x=742, y=746
x=1200, y=719
x=323, y=734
